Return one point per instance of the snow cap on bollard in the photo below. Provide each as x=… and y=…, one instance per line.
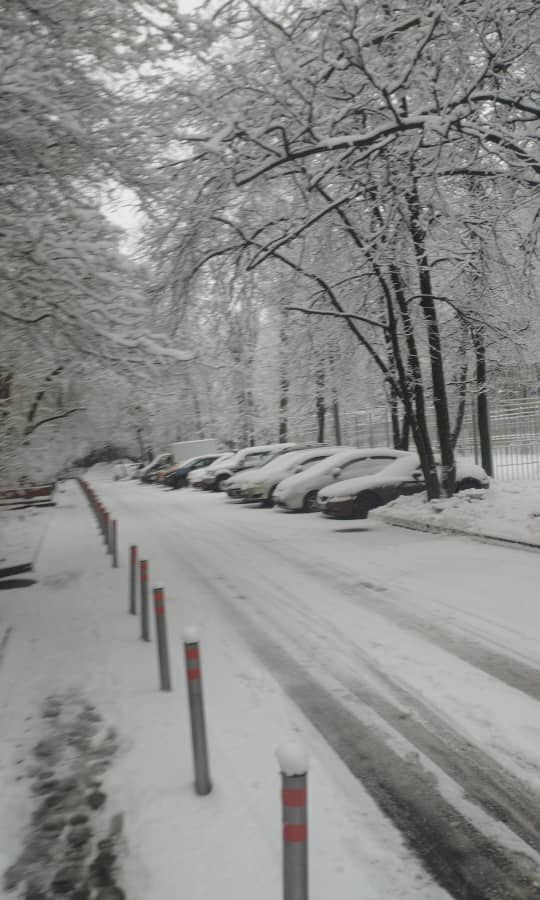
x=190, y=634
x=293, y=758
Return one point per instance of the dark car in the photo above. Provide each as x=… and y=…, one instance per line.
x=354, y=498
x=178, y=477
x=147, y=473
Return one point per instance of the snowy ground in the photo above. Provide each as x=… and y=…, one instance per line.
x=407, y=663
x=508, y=511
x=21, y=533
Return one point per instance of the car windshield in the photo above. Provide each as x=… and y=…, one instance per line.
x=254, y=460
x=406, y=465
x=279, y=461
x=221, y=460
x=331, y=462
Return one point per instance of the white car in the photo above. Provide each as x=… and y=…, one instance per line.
x=196, y=477
x=354, y=498
x=299, y=492
x=249, y=459
x=261, y=483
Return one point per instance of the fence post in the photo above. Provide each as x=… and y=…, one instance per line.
x=145, y=624
x=293, y=762
x=161, y=640
x=203, y=784
x=133, y=579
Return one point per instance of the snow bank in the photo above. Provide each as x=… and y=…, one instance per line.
x=507, y=511
x=21, y=532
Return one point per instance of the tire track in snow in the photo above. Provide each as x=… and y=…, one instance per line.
x=373, y=596
x=4, y=642
x=493, y=788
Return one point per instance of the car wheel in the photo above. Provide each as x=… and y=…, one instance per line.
x=219, y=482
x=468, y=484
x=269, y=501
x=363, y=503
x=310, y=502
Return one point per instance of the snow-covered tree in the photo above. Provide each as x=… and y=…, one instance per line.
x=303, y=118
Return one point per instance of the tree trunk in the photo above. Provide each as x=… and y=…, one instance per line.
x=283, y=404
x=412, y=389
x=482, y=408
x=197, y=411
x=427, y=305
x=139, y=433
x=320, y=404
x=462, y=393
x=337, y=421
x=283, y=381
x=405, y=433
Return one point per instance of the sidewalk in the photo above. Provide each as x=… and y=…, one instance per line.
x=70, y=638
x=78, y=685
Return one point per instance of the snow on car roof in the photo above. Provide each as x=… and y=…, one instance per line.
x=294, y=457
x=344, y=455
x=404, y=465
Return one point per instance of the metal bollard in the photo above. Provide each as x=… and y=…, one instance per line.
x=133, y=579
x=106, y=530
x=145, y=624
x=161, y=640
x=203, y=784
x=293, y=762
x=114, y=543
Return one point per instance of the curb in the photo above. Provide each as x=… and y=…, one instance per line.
x=447, y=529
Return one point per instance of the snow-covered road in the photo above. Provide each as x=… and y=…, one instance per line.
x=415, y=656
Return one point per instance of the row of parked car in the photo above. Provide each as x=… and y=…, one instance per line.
x=342, y=482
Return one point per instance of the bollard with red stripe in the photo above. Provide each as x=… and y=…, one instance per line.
x=102, y=518
x=114, y=543
x=161, y=640
x=133, y=579
x=203, y=784
x=293, y=762
x=145, y=624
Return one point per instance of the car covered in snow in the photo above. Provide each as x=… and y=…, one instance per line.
x=196, y=477
x=249, y=458
x=177, y=477
x=299, y=491
x=242, y=477
x=261, y=483
x=161, y=461
x=354, y=498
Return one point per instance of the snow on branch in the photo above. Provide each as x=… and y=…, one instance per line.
x=31, y=428
x=339, y=315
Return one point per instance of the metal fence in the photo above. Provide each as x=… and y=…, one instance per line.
x=514, y=426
